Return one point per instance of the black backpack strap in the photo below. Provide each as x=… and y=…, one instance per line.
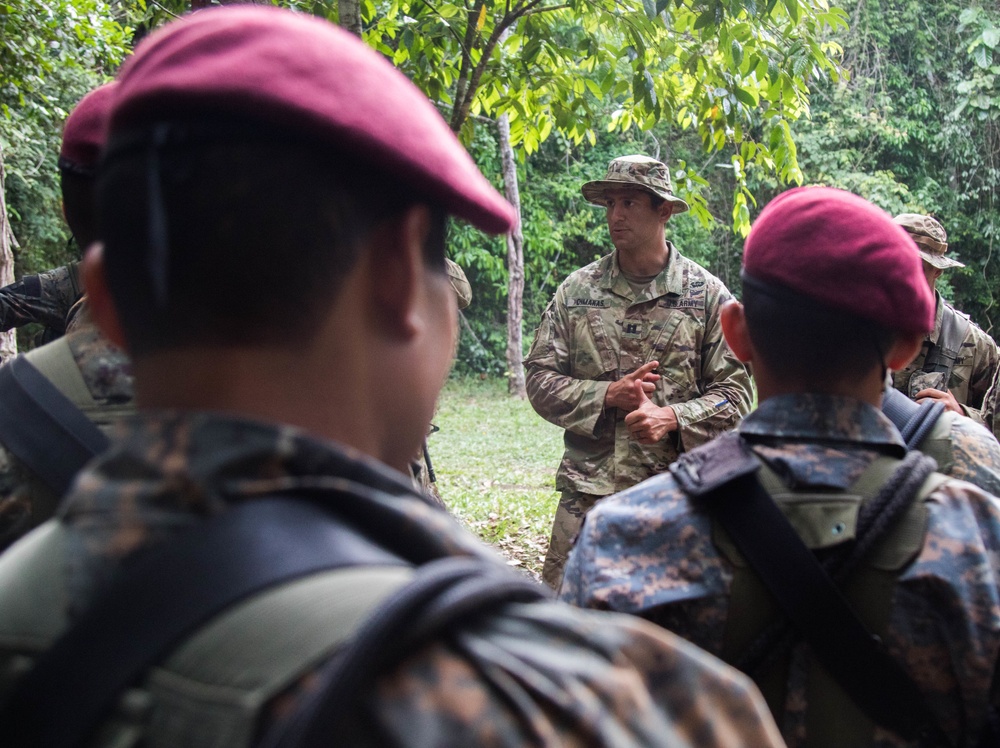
x=43, y=428
x=941, y=356
x=444, y=595
x=804, y=592
x=160, y=597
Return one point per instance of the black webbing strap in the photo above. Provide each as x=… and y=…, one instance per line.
x=43, y=428
x=163, y=595
x=855, y=658
x=913, y=421
x=443, y=595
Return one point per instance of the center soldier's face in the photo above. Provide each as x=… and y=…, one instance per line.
x=633, y=222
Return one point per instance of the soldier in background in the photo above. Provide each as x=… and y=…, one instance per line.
x=91, y=376
x=248, y=142
x=833, y=294
x=957, y=360
x=629, y=356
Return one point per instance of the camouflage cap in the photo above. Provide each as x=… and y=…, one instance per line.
x=641, y=172
x=931, y=239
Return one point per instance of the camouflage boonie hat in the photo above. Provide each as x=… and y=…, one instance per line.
x=639, y=172
x=931, y=239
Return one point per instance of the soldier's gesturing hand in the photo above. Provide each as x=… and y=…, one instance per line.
x=622, y=394
x=649, y=423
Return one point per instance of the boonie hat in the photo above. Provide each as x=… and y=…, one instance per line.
x=931, y=239
x=311, y=78
x=840, y=250
x=85, y=130
x=640, y=172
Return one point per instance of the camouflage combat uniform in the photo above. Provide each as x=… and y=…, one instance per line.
x=944, y=607
x=26, y=500
x=991, y=406
x=598, y=329
x=534, y=674
x=971, y=375
x=46, y=298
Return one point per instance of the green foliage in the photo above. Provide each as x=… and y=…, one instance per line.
x=736, y=73
x=914, y=128
x=51, y=53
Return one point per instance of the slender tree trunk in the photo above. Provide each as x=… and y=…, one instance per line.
x=515, y=267
x=350, y=15
x=8, y=340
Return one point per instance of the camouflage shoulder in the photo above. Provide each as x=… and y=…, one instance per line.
x=630, y=684
x=975, y=455
x=585, y=277
x=713, y=284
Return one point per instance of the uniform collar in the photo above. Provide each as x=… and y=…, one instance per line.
x=828, y=419
x=671, y=280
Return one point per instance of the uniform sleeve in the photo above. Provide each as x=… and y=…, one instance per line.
x=986, y=359
x=549, y=675
x=725, y=382
x=991, y=405
x=576, y=405
x=45, y=299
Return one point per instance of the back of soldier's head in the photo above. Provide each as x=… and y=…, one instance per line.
x=251, y=151
x=829, y=283
x=79, y=154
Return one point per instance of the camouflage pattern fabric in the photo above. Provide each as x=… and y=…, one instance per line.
x=595, y=331
x=459, y=283
x=970, y=378
x=45, y=298
x=944, y=619
x=25, y=500
x=536, y=674
x=991, y=406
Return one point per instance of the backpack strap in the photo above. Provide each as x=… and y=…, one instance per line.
x=808, y=596
x=942, y=356
x=43, y=428
x=163, y=595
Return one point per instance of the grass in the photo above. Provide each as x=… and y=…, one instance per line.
x=495, y=460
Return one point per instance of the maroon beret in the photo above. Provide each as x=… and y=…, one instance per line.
x=842, y=251
x=84, y=131
x=298, y=72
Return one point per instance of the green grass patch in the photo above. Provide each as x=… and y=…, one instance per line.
x=495, y=460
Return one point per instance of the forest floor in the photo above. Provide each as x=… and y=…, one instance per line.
x=495, y=460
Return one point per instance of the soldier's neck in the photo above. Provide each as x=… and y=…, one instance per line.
x=646, y=262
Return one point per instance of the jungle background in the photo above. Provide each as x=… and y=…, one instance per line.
x=896, y=100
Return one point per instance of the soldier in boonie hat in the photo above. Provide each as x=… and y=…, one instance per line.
x=931, y=239
x=642, y=172
x=957, y=361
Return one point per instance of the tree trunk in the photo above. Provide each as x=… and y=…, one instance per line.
x=8, y=340
x=350, y=15
x=515, y=267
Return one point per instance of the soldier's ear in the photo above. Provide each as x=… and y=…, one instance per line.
x=102, y=306
x=903, y=351
x=734, y=329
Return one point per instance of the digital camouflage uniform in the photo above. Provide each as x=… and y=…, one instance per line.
x=973, y=371
x=46, y=298
x=596, y=330
x=944, y=611
x=105, y=372
x=533, y=674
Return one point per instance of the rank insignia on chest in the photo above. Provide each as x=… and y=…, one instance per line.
x=632, y=328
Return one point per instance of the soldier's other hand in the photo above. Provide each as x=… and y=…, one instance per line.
x=649, y=423
x=950, y=403
x=622, y=394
